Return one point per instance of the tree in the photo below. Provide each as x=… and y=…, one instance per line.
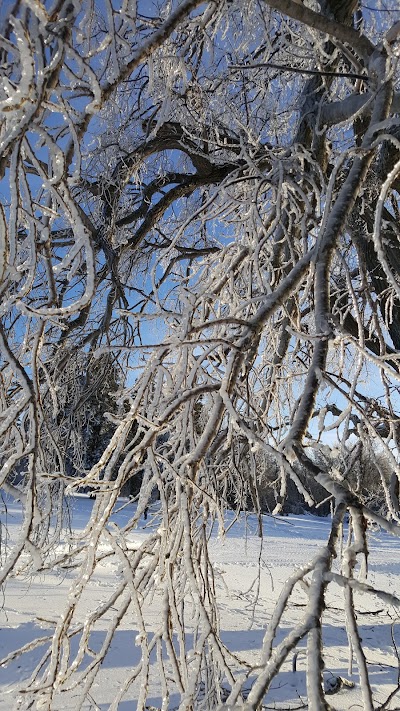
x=84, y=418
x=209, y=192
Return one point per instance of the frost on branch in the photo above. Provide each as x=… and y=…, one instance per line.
x=200, y=280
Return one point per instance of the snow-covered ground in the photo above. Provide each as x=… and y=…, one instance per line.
x=250, y=573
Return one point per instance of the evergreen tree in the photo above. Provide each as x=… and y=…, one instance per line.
x=89, y=388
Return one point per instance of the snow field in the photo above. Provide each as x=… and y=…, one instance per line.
x=249, y=575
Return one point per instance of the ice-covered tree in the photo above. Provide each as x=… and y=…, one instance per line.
x=207, y=191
